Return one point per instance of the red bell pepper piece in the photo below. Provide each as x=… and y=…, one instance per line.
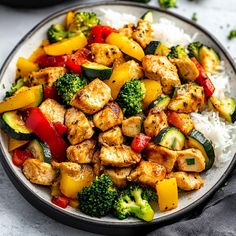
x=60, y=128
x=37, y=122
x=203, y=79
x=140, y=142
x=50, y=92
x=75, y=60
x=51, y=61
x=19, y=156
x=99, y=33
x=61, y=201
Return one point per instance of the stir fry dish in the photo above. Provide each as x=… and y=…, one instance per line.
x=102, y=116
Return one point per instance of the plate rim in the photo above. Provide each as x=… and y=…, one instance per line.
x=72, y=220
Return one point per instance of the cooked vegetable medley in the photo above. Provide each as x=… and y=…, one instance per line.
x=102, y=116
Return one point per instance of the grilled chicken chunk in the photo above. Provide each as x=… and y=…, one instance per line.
x=38, y=172
x=78, y=126
x=105, y=54
x=189, y=98
x=46, y=76
x=82, y=153
x=109, y=117
x=147, y=173
x=187, y=181
x=127, y=30
x=186, y=68
x=118, y=176
x=160, y=68
x=190, y=160
x=132, y=126
x=92, y=97
x=112, y=137
x=119, y=156
x=161, y=155
x=98, y=168
x=53, y=111
x=155, y=121
x=143, y=33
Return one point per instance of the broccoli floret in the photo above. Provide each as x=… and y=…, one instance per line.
x=134, y=201
x=177, y=52
x=98, y=198
x=68, y=85
x=193, y=49
x=56, y=33
x=131, y=96
x=232, y=34
x=167, y=3
x=83, y=22
x=15, y=86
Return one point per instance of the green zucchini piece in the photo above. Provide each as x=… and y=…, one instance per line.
x=12, y=123
x=162, y=102
x=147, y=16
x=93, y=70
x=196, y=139
x=171, y=138
x=156, y=48
x=39, y=94
x=208, y=58
x=226, y=108
x=40, y=151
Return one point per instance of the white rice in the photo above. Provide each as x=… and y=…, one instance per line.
x=221, y=133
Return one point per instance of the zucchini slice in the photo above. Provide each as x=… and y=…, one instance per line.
x=12, y=123
x=40, y=151
x=93, y=70
x=170, y=138
x=39, y=94
x=162, y=102
x=156, y=48
x=196, y=139
x=226, y=108
x=147, y=16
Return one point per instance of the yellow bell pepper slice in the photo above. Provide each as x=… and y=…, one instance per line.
x=25, y=66
x=39, y=51
x=167, y=192
x=121, y=74
x=126, y=45
x=66, y=46
x=18, y=101
x=69, y=18
x=15, y=143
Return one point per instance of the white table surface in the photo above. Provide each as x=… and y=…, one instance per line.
x=17, y=216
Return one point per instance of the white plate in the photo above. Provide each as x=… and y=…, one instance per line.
x=40, y=197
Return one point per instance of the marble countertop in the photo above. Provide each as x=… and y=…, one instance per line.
x=18, y=217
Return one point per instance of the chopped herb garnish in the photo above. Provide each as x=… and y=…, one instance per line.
x=190, y=161
x=185, y=104
x=232, y=34
x=194, y=17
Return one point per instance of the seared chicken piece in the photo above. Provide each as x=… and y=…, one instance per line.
x=187, y=181
x=160, y=68
x=190, y=160
x=82, y=153
x=38, y=172
x=155, y=121
x=46, y=76
x=161, y=155
x=53, y=111
x=189, y=98
x=105, y=54
x=112, y=137
x=143, y=33
x=79, y=128
x=119, y=156
x=98, y=168
x=118, y=176
x=118, y=62
x=109, y=117
x=186, y=68
x=127, y=30
x=147, y=173
x=92, y=97
x=132, y=126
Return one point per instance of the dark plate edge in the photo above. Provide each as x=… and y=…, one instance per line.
x=94, y=225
